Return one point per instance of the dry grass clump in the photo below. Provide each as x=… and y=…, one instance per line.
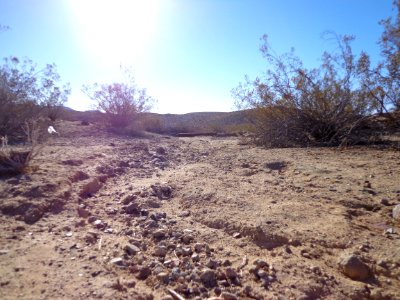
x=16, y=159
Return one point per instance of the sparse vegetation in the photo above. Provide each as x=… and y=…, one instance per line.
x=16, y=159
x=27, y=93
x=120, y=102
x=325, y=106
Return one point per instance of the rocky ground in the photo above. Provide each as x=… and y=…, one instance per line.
x=108, y=217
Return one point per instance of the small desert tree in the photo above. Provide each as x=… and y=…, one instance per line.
x=295, y=106
x=119, y=101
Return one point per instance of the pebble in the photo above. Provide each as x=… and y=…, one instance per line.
x=163, y=276
x=131, y=249
x=259, y=263
x=186, y=251
x=131, y=209
x=212, y=264
x=99, y=224
x=160, y=234
x=118, y=261
x=237, y=235
x=128, y=199
x=353, y=267
x=231, y=273
x=83, y=213
x=184, y=213
x=262, y=274
x=160, y=251
x=396, y=212
x=91, y=219
x=187, y=238
x=195, y=257
x=198, y=247
x=228, y=296
x=385, y=202
x=144, y=272
x=208, y=278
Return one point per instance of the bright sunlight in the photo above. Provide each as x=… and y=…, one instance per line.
x=117, y=31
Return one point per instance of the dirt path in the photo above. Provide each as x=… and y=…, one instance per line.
x=107, y=217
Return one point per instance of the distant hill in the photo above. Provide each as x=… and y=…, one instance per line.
x=175, y=123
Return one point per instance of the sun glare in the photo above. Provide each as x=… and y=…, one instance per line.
x=116, y=31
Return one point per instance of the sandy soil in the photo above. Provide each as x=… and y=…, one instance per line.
x=108, y=217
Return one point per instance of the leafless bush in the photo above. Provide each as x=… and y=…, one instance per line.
x=17, y=159
x=120, y=102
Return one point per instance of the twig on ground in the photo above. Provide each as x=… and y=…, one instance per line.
x=175, y=295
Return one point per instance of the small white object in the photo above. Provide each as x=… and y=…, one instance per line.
x=51, y=130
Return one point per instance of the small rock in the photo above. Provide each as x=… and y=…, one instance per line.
x=99, y=224
x=91, y=219
x=131, y=249
x=160, y=234
x=163, y=277
x=163, y=192
x=117, y=261
x=353, y=267
x=212, y=264
x=195, y=257
x=262, y=274
x=186, y=251
x=385, y=202
x=208, y=278
x=144, y=272
x=184, y=213
x=83, y=213
x=32, y=215
x=396, y=212
x=198, y=247
x=128, y=199
x=132, y=209
x=187, y=238
x=228, y=296
x=91, y=237
x=305, y=254
x=160, y=251
x=259, y=263
x=389, y=231
x=226, y=263
x=230, y=273
x=237, y=235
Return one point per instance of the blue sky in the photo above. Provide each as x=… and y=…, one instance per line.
x=188, y=54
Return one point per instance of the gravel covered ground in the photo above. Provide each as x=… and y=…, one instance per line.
x=108, y=217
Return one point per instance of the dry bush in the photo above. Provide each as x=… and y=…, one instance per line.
x=295, y=106
x=329, y=105
x=120, y=102
x=17, y=159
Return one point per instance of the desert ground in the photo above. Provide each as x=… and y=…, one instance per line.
x=101, y=216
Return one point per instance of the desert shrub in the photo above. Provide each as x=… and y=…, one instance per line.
x=27, y=93
x=17, y=159
x=120, y=102
x=295, y=106
x=330, y=105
